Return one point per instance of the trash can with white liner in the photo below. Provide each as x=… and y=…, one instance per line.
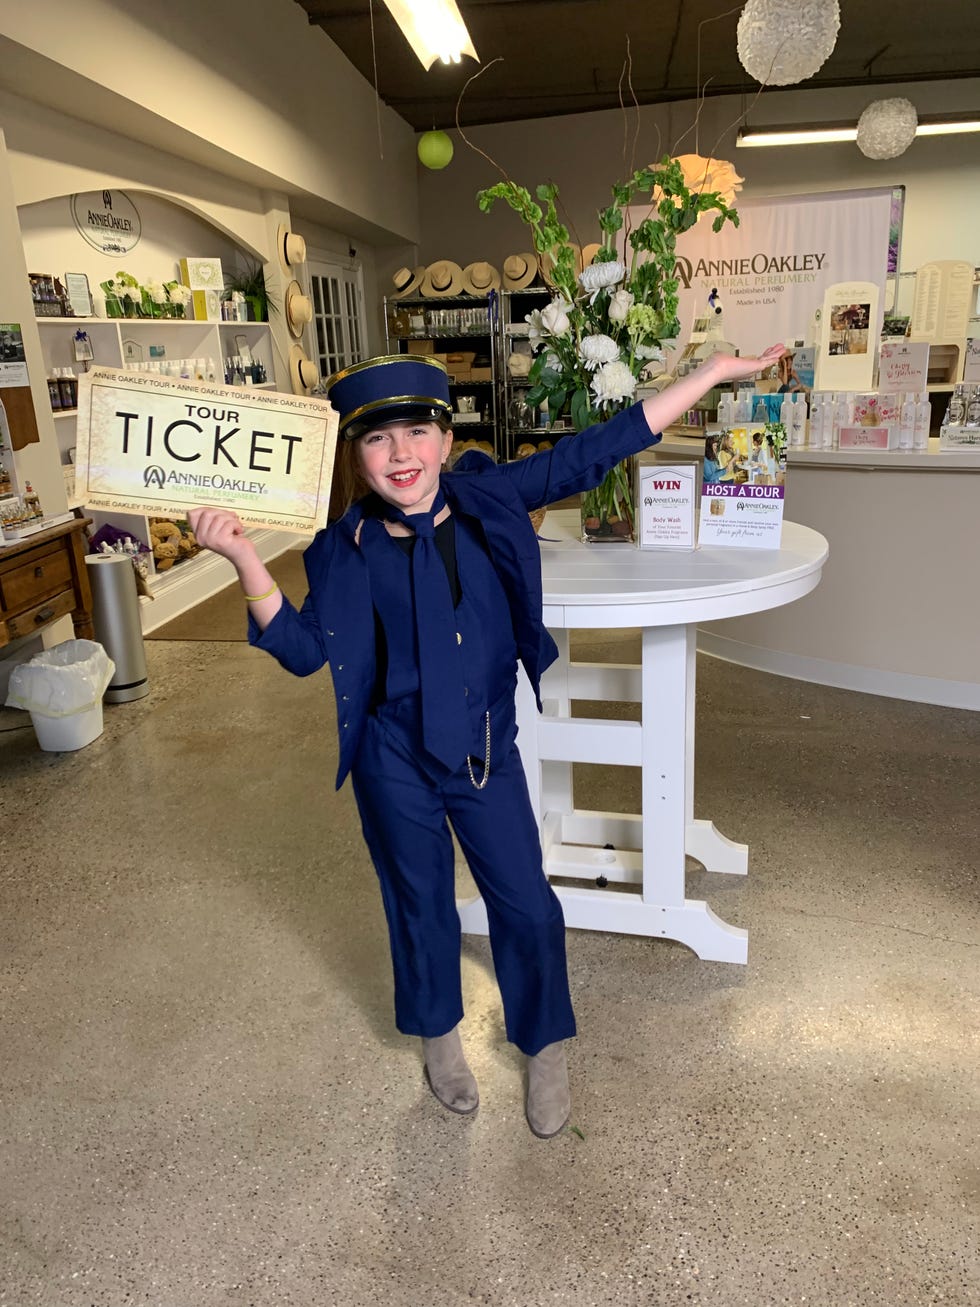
x=117, y=625
x=62, y=689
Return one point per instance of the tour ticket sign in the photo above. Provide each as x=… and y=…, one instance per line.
x=161, y=445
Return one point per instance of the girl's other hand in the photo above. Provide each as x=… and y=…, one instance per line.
x=221, y=531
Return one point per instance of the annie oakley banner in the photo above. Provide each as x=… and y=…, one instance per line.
x=772, y=270
x=152, y=444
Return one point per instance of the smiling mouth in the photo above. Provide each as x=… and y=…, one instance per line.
x=405, y=478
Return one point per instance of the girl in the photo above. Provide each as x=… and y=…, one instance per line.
x=423, y=598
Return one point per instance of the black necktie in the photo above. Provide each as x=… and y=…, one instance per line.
x=445, y=723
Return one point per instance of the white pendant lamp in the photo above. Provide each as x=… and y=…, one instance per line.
x=782, y=42
x=887, y=128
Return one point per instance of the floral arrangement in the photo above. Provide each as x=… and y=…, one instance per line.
x=126, y=298
x=608, y=321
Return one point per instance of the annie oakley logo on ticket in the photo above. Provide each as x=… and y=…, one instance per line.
x=157, y=444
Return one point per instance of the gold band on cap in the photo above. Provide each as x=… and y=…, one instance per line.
x=393, y=401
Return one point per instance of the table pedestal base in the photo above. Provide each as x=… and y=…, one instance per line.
x=615, y=849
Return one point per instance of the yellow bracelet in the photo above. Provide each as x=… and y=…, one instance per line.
x=254, y=599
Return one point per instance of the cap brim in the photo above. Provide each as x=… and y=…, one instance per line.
x=361, y=425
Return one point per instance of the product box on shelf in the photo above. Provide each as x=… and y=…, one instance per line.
x=204, y=279
x=421, y=346
x=880, y=437
x=481, y=374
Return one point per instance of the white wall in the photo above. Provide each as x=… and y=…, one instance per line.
x=246, y=87
x=584, y=155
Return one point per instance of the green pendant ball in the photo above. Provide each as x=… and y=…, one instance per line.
x=435, y=150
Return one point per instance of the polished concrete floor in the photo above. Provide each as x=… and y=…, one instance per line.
x=203, y=1100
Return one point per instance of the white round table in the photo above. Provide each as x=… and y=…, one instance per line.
x=666, y=594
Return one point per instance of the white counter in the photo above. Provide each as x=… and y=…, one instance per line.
x=898, y=610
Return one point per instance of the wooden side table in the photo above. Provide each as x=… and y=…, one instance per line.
x=44, y=578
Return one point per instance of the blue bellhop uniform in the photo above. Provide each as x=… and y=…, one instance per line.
x=404, y=795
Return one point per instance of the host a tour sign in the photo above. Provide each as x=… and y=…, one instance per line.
x=162, y=445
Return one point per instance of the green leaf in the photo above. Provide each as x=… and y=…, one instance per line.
x=536, y=395
x=574, y=1130
x=556, y=402
x=581, y=411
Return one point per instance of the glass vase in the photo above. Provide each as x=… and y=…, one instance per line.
x=608, y=512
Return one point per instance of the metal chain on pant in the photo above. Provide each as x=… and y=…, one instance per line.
x=479, y=785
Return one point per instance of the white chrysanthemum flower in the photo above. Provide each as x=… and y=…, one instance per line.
x=554, y=317
x=649, y=352
x=613, y=383
x=620, y=303
x=598, y=276
x=596, y=350
x=156, y=292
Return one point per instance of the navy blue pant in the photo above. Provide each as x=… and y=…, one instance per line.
x=404, y=799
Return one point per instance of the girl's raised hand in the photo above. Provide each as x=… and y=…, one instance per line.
x=736, y=369
x=221, y=531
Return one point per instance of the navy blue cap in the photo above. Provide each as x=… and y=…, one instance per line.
x=388, y=389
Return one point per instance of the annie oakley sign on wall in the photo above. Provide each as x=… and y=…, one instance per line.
x=772, y=270
x=151, y=444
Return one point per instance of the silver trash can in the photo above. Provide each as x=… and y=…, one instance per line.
x=116, y=619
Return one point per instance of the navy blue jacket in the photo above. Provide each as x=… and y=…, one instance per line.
x=336, y=621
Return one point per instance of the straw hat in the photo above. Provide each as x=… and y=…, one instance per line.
x=520, y=271
x=292, y=248
x=299, y=309
x=442, y=278
x=407, y=280
x=303, y=372
x=546, y=263
x=480, y=279
x=589, y=252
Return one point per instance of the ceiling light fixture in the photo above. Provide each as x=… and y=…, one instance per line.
x=434, y=29
x=818, y=134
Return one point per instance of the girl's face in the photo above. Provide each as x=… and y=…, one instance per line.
x=401, y=462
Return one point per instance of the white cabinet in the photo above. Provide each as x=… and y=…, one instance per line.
x=128, y=342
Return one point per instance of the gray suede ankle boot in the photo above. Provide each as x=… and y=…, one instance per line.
x=549, y=1102
x=450, y=1079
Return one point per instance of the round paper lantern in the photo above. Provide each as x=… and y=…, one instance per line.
x=781, y=42
x=887, y=128
x=435, y=149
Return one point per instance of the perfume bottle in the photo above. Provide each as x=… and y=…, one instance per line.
x=906, y=423
x=973, y=409
x=843, y=414
x=786, y=417
x=923, y=420
x=32, y=503
x=799, y=420
x=956, y=411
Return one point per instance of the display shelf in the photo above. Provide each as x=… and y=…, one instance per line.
x=413, y=319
